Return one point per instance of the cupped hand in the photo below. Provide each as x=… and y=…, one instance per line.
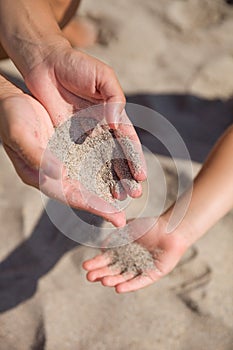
x=166, y=250
x=68, y=81
x=25, y=128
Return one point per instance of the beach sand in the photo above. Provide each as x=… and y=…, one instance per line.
x=179, y=47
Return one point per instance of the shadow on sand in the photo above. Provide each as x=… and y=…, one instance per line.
x=199, y=121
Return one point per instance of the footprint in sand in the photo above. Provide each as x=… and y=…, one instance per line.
x=191, y=276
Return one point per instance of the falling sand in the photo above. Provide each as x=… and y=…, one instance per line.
x=93, y=155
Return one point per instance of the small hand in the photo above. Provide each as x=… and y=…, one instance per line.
x=25, y=128
x=166, y=249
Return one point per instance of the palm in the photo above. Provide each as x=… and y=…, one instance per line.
x=68, y=81
x=25, y=137
x=166, y=250
x=21, y=131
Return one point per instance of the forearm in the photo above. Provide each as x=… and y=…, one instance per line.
x=28, y=31
x=212, y=195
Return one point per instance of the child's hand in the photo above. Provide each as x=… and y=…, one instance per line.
x=166, y=250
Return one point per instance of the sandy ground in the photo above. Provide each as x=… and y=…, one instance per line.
x=177, y=48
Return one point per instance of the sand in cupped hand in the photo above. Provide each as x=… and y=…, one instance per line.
x=127, y=256
x=94, y=157
x=131, y=258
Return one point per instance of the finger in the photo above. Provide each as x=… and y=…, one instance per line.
x=26, y=130
x=97, y=262
x=118, y=191
x=28, y=175
x=36, y=157
x=115, y=186
x=131, y=186
x=102, y=272
x=78, y=197
x=138, y=282
x=112, y=281
x=110, y=90
x=73, y=194
x=131, y=146
x=113, y=111
x=50, y=165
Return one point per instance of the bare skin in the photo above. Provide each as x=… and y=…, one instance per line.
x=212, y=198
x=23, y=132
x=78, y=31
x=62, y=80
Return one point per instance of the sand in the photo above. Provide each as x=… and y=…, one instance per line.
x=93, y=155
x=131, y=258
x=45, y=301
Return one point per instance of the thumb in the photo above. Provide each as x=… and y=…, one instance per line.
x=38, y=158
x=112, y=113
x=83, y=199
x=112, y=93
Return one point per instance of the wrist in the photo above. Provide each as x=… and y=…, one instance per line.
x=185, y=232
x=34, y=52
x=28, y=32
x=41, y=51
